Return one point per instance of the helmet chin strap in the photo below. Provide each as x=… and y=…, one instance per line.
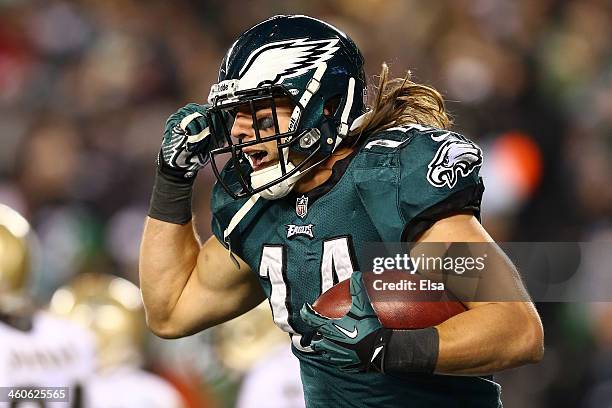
x=278, y=190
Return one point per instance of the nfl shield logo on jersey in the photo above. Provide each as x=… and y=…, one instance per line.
x=301, y=206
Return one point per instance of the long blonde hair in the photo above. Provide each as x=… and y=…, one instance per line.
x=400, y=101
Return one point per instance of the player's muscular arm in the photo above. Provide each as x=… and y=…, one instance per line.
x=493, y=335
x=187, y=287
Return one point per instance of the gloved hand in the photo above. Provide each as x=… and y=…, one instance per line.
x=186, y=143
x=355, y=342
x=185, y=146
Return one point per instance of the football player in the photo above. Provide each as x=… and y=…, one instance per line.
x=311, y=176
x=252, y=346
x=37, y=349
x=274, y=382
x=111, y=307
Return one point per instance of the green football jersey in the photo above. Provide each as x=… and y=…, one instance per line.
x=394, y=186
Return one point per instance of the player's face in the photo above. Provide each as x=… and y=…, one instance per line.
x=265, y=154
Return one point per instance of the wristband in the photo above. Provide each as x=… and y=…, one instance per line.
x=411, y=351
x=171, y=198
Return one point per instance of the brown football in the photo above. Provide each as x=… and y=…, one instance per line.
x=398, y=303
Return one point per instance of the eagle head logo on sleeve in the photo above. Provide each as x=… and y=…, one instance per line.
x=455, y=157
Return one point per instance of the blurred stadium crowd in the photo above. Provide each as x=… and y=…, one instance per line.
x=86, y=86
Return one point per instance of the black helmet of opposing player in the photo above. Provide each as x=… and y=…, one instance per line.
x=300, y=59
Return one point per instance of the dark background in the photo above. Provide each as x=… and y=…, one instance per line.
x=85, y=88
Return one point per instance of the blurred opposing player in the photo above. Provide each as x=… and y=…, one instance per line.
x=36, y=348
x=273, y=382
x=311, y=177
x=111, y=307
x=252, y=347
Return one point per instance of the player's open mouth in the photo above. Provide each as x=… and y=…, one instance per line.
x=258, y=158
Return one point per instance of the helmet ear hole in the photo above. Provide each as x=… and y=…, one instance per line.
x=331, y=105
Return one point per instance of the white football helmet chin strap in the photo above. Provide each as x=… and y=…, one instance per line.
x=264, y=176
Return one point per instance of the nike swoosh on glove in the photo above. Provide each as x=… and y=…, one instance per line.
x=357, y=341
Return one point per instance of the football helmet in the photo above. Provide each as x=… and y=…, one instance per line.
x=14, y=250
x=111, y=307
x=243, y=341
x=291, y=57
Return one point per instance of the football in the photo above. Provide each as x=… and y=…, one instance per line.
x=401, y=300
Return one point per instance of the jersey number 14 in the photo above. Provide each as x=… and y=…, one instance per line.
x=336, y=258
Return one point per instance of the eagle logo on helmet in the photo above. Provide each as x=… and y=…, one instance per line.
x=455, y=157
x=274, y=62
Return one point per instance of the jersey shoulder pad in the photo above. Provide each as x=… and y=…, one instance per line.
x=411, y=176
x=446, y=158
x=224, y=208
x=390, y=140
x=439, y=177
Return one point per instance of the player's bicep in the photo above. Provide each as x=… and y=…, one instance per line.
x=218, y=290
x=218, y=272
x=456, y=228
x=492, y=277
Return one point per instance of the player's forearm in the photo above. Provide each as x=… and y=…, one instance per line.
x=168, y=257
x=490, y=338
x=169, y=248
